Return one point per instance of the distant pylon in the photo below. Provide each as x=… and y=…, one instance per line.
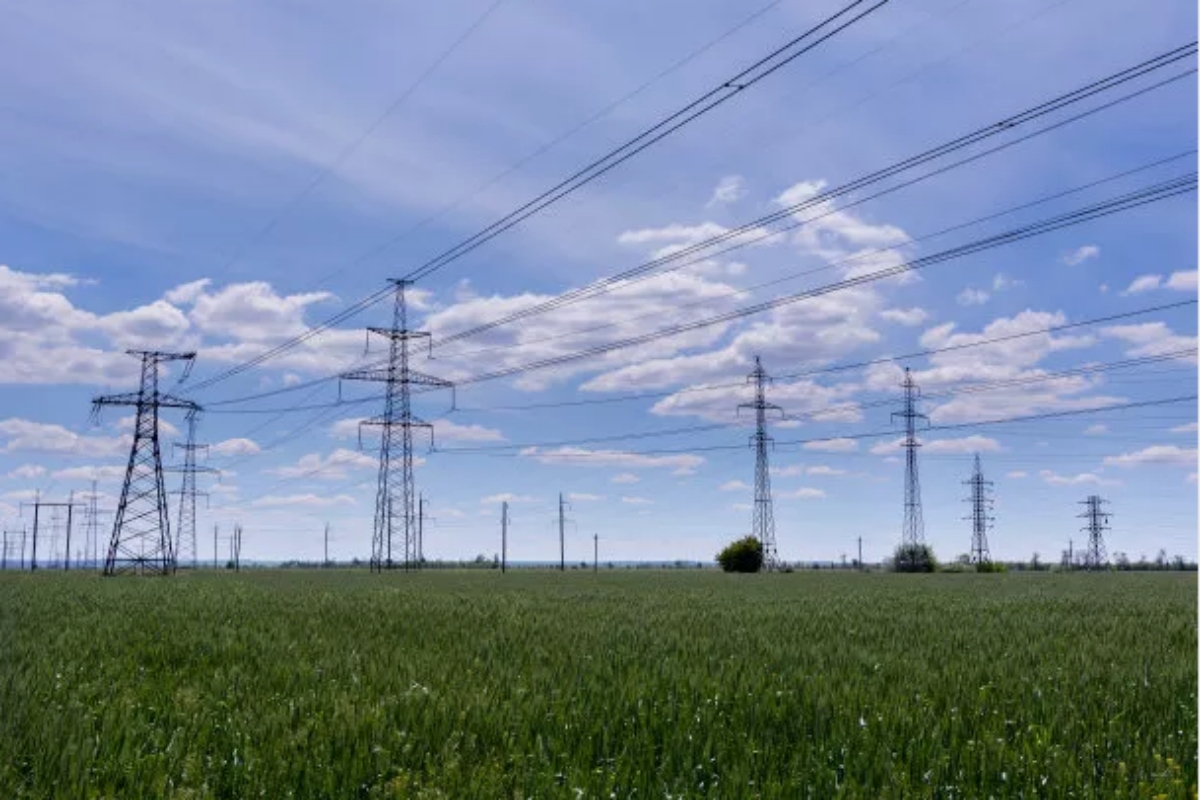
x=914, y=521
x=1095, y=557
x=980, y=516
x=397, y=423
x=186, y=551
x=91, y=526
x=141, y=538
x=764, y=514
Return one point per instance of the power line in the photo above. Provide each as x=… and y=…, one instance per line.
x=1035, y=112
x=715, y=97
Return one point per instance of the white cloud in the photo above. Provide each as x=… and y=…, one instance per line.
x=577, y=456
x=26, y=436
x=1190, y=427
x=1081, y=254
x=804, y=493
x=252, y=312
x=821, y=469
x=833, y=446
x=972, y=297
x=584, y=497
x=964, y=445
x=1018, y=474
x=734, y=486
x=445, y=430
x=307, y=500
x=108, y=472
x=236, y=447
x=507, y=497
x=636, y=501
x=1095, y=430
x=1082, y=479
x=730, y=189
x=186, y=294
x=1155, y=454
x=28, y=472
x=1151, y=339
x=625, y=477
x=1179, y=281
x=330, y=467
x=905, y=316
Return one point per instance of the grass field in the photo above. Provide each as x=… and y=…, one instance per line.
x=622, y=684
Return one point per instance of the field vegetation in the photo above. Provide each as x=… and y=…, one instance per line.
x=689, y=684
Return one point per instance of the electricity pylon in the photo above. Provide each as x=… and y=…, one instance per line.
x=186, y=551
x=1096, y=556
x=980, y=517
x=764, y=513
x=396, y=423
x=914, y=521
x=141, y=538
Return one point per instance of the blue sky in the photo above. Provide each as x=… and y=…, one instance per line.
x=220, y=177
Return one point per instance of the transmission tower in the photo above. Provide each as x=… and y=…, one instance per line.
x=1096, y=556
x=186, y=551
x=764, y=514
x=141, y=537
x=397, y=423
x=980, y=517
x=914, y=522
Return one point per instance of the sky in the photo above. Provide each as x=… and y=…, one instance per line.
x=223, y=177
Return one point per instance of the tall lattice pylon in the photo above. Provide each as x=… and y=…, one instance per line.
x=1095, y=524
x=981, y=518
x=764, y=512
x=186, y=551
x=914, y=521
x=141, y=537
x=396, y=489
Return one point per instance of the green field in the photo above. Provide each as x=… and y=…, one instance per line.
x=623, y=684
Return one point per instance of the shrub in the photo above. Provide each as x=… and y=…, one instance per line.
x=991, y=566
x=744, y=555
x=914, y=558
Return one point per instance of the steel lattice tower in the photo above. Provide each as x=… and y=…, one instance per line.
x=764, y=513
x=186, y=550
x=980, y=516
x=141, y=537
x=914, y=521
x=396, y=423
x=1096, y=556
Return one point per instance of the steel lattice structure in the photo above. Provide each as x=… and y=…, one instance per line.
x=1096, y=556
x=186, y=550
x=396, y=484
x=914, y=521
x=141, y=538
x=764, y=513
x=980, y=517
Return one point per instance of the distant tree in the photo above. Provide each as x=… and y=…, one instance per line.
x=744, y=555
x=1035, y=562
x=914, y=558
x=1122, y=561
x=991, y=566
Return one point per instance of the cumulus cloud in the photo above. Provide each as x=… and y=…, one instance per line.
x=734, y=486
x=964, y=445
x=833, y=446
x=445, y=430
x=804, y=493
x=1167, y=454
x=236, y=447
x=1081, y=254
x=1098, y=429
x=905, y=316
x=28, y=472
x=507, y=497
x=108, y=472
x=1152, y=339
x=584, y=497
x=303, y=500
x=329, y=467
x=682, y=463
x=22, y=435
x=636, y=501
x=972, y=297
x=625, y=477
x=1081, y=479
x=729, y=190
x=1179, y=281
x=1018, y=474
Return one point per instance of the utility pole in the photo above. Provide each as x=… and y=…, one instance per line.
x=860, y=561
x=4, y=553
x=22, y=549
x=141, y=538
x=1070, y=553
x=595, y=552
x=980, y=518
x=326, y=562
x=914, y=522
x=397, y=423
x=562, y=546
x=216, y=556
x=503, y=537
x=1095, y=557
x=185, y=550
x=38, y=504
x=67, y=547
x=92, y=527
x=237, y=547
x=420, y=530
x=764, y=513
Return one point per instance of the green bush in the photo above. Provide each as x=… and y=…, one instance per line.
x=991, y=566
x=914, y=558
x=744, y=555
